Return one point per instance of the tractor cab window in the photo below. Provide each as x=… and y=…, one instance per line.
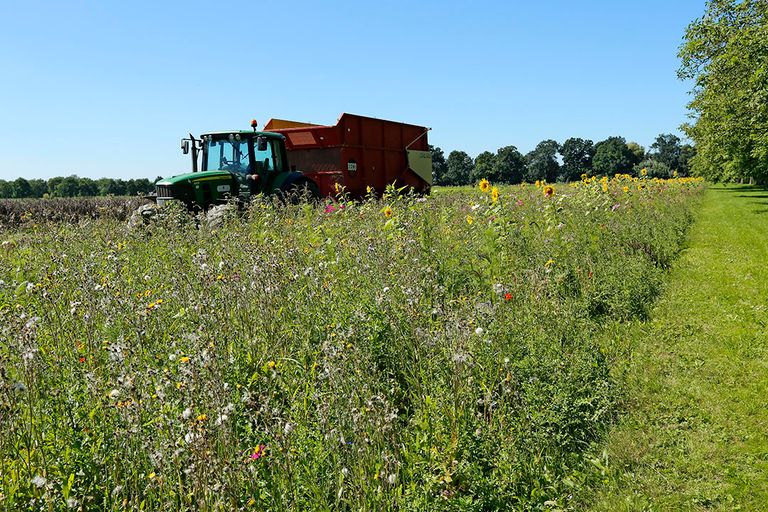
x=264, y=157
x=227, y=155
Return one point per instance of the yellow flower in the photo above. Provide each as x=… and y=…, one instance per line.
x=337, y=187
x=644, y=171
x=538, y=183
x=184, y=359
x=484, y=185
x=494, y=194
x=640, y=186
x=625, y=189
x=151, y=475
x=549, y=263
x=202, y=417
x=549, y=191
x=674, y=174
x=271, y=364
x=469, y=219
x=387, y=211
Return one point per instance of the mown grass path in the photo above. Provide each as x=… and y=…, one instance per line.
x=696, y=433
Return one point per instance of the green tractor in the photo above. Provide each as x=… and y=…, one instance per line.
x=234, y=166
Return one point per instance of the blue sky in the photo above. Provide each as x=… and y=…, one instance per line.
x=108, y=88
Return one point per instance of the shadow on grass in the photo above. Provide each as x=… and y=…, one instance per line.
x=739, y=188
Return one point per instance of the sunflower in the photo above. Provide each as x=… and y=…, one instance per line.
x=549, y=191
x=494, y=194
x=484, y=185
x=387, y=211
x=625, y=189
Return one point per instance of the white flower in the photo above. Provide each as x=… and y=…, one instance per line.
x=288, y=428
x=479, y=331
x=187, y=413
x=391, y=478
x=114, y=394
x=506, y=360
x=71, y=503
x=38, y=481
x=189, y=437
x=386, y=289
x=344, y=471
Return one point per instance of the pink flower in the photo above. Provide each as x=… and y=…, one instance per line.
x=330, y=208
x=258, y=452
x=519, y=202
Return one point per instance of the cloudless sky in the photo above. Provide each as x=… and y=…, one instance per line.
x=107, y=88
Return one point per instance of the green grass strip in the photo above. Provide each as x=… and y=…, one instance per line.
x=696, y=433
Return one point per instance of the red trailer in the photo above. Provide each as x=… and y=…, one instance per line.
x=358, y=152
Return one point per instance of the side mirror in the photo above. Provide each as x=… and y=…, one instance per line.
x=185, y=146
x=261, y=144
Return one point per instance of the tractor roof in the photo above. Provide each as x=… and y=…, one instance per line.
x=249, y=133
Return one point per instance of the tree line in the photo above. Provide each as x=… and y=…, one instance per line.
x=552, y=161
x=725, y=53
x=74, y=186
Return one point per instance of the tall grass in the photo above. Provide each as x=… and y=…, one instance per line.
x=400, y=353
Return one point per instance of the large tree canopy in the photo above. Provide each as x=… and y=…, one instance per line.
x=726, y=54
x=509, y=165
x=542, y=161
x=460, y=167
x=612, y=156
x=577, y=158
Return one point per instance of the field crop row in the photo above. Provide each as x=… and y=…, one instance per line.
x=400, y=353
x=15, y=213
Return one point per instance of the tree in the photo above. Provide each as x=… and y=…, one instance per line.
x=638, y=152
x=86, y=187
x=687, y=152
x=67, y=187
x=666, y=149
x=6, y=189
x=509, y=165
x=484, y=167
x=439, y=165
x=577, y=158
x=20, y=188
x=654, y=169
x=39, y=187
x=460, y=167
x=612, y=156
x=542, y=162
x=725, y=53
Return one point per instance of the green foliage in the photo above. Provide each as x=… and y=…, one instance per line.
x=485, y=167
x=613, y=156
x=459, y=167
x=638, y=152
x=401, y=353
x=654, y=169
x=577, y=158
x=73, y=186
x=509, y=165
x=726, y=54
x=541, y=163
x=439, y=165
